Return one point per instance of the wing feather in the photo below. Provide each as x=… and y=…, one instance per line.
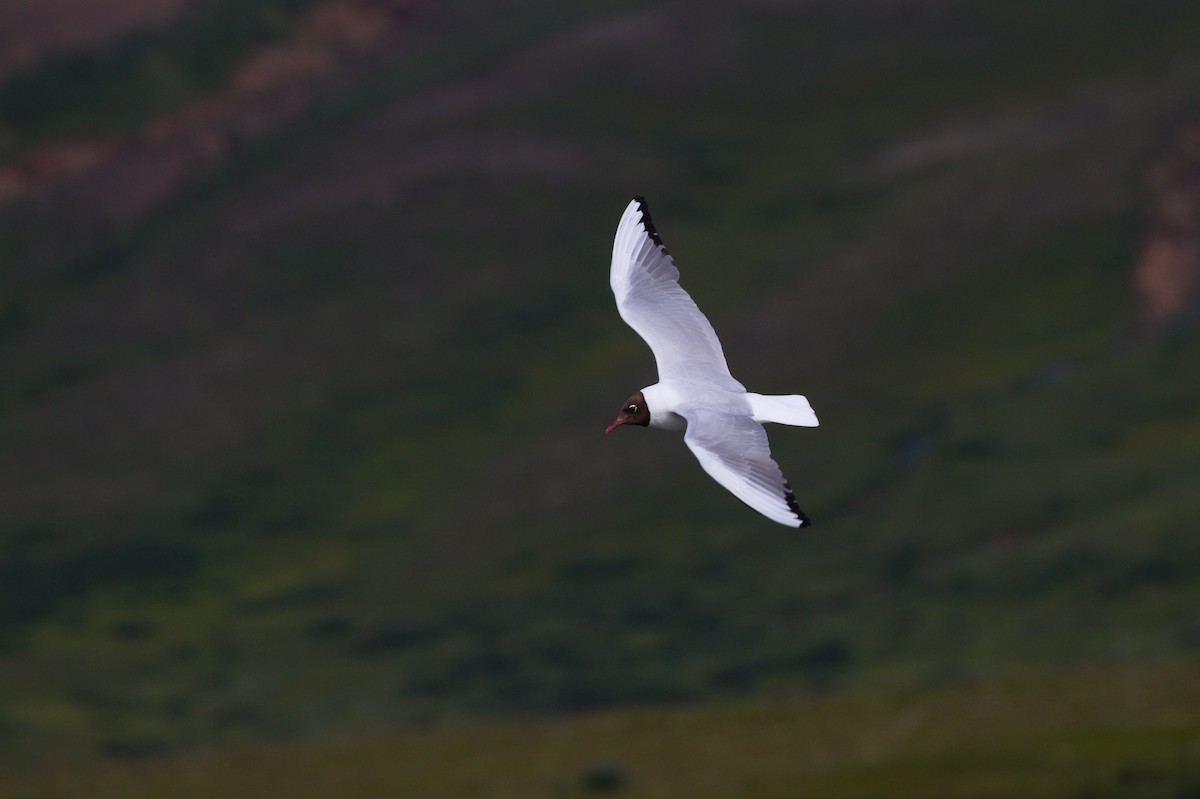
x=733, y=449
x=649, y=298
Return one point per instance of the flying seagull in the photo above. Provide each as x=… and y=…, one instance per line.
x=695, y=394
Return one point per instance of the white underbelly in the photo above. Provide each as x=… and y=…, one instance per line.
x=663, y=400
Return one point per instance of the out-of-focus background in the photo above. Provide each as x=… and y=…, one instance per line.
x=307, y=346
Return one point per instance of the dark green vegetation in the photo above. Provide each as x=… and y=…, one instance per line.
x=1099, y=734
x=315, y=448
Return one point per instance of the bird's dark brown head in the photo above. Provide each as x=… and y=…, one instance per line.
x=634, y=411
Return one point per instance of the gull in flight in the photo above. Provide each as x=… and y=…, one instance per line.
x=695, y=394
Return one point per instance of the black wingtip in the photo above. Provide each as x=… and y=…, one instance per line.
x=790, y=498
x=649, y=224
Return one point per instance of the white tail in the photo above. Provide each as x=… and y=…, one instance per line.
x=790, y=409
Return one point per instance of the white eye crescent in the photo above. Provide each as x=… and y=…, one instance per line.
x=632, y=409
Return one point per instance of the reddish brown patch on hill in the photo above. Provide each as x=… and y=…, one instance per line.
x=331, y=44
x=53, y=163
x=1167, y=274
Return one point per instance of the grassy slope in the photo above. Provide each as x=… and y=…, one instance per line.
x=344, y=518
x=1117, y=731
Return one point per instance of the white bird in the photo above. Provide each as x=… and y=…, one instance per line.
x=695, y=392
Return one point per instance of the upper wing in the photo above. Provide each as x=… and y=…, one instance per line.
x=733, y=450
x=650, y=300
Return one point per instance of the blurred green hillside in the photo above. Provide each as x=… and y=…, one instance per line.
x=307, y=350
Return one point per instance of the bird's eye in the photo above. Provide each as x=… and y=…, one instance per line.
x=632, y=409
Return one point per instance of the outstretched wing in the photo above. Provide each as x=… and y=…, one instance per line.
x=733, y=449
x=651, y=301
